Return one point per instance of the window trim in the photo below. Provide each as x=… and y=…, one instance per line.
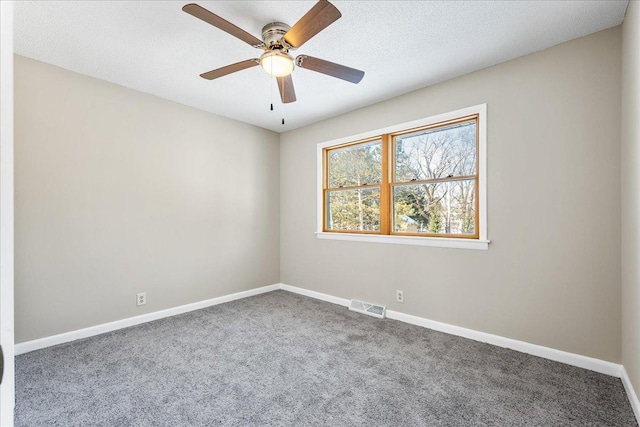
x=481, y=242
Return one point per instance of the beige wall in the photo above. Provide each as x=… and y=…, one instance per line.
x=631, y=194
x=551, y=275
x=119, y=192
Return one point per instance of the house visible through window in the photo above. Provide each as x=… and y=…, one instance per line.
x=415, y=182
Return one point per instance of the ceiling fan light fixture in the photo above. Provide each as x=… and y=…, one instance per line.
x=276, y=63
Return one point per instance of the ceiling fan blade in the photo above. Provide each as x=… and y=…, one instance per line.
x=315, y=20
x=285, y=86
x=213, y=19
x=329, y=68
x=238, y=66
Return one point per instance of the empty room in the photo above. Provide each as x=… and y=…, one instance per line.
x=320, y=213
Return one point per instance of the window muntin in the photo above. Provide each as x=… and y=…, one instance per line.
x=416, y=182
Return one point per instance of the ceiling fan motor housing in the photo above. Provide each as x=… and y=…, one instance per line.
x=272, y=34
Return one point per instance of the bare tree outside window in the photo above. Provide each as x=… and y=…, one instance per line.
x=435, y=176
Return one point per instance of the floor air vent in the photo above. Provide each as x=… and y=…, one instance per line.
x=370, y=309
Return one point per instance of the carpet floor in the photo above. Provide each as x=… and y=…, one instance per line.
x=281, y=359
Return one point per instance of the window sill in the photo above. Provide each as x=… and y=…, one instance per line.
x=440, y=242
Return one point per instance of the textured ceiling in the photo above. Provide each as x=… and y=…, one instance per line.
x=156, y=48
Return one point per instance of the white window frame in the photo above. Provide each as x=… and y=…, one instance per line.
x=481, y=243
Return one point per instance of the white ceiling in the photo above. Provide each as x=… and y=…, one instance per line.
x=156, y=48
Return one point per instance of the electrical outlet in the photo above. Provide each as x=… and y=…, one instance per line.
x=141, y=298
x=400, y=296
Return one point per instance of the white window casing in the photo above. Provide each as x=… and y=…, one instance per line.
x=481, y=243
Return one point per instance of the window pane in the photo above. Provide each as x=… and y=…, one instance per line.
x=354, y=210
x=438, y=208
x=356, y=165
x=436, y=153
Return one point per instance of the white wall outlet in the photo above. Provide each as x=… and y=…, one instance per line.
x=141, y=298
x=400, y=297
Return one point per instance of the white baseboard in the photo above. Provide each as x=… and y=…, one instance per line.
x=580, y=361
x=573, y=359
x=633, y=397
x=28, y=346
x=593, y=364
x=317, y=295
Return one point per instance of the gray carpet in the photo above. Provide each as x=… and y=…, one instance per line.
x=280, y=359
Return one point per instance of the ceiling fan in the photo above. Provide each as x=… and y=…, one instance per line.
x=278, y=39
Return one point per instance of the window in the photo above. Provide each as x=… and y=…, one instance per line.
x=434, y=185
x=418, y=183
x=354, y=187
